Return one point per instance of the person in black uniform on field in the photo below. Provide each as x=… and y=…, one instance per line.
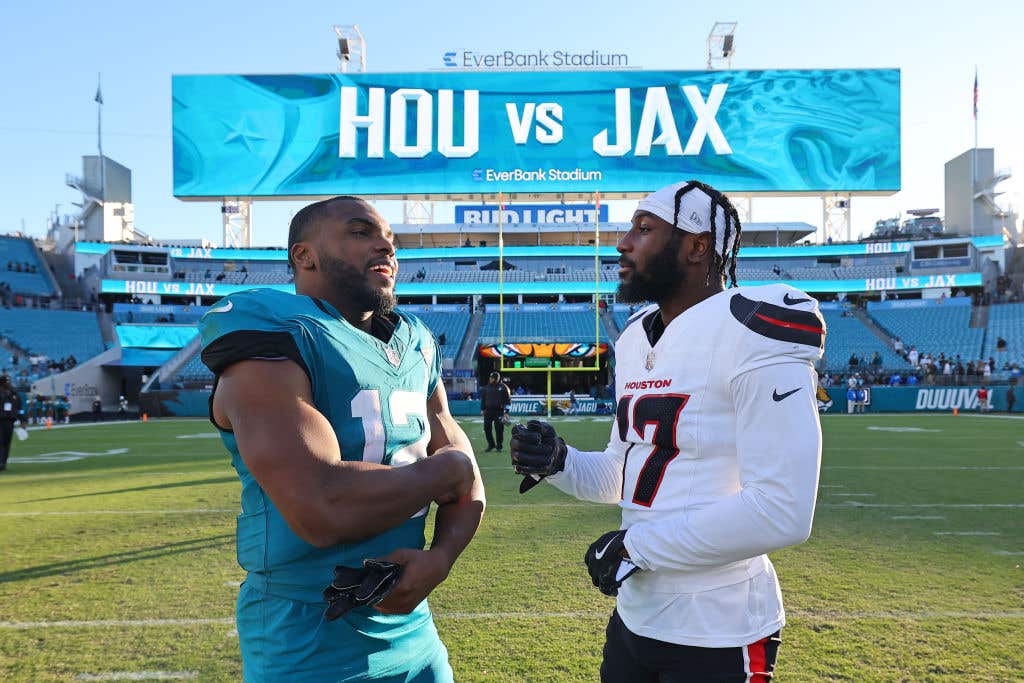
x=10, y=414
x=494, y=402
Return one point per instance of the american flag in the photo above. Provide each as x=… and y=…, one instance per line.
x=975, y=94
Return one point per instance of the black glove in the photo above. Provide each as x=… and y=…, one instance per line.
x=537, y=451
x=607, y=567
x=365, y=586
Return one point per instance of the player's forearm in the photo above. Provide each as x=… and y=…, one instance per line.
x=457, y=522
x=594, y=476
x=750, y=523
x=362, y=500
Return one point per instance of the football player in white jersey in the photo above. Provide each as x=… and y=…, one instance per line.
x=713, y=456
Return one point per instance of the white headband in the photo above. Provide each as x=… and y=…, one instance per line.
x=694, y=213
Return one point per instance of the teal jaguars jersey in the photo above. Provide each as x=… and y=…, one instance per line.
x=374, y=393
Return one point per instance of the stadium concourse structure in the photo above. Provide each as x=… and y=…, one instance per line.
x=141, y=341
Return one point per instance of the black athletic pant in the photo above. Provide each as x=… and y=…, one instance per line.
x=6, y=434
x=499, y=426
x=629, y=658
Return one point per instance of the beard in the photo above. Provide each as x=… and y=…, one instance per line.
x=662, y=276
x=348, y=280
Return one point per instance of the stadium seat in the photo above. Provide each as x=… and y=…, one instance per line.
x=1006, y=321
x=54, y=334
x=848, y=335
x=541, y=324
x=19, y=251
x=451, y=324
x=936, y=329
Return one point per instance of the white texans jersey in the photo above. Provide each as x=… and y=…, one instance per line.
x=713, y=458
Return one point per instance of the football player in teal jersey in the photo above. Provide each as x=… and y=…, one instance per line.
x=331, y=404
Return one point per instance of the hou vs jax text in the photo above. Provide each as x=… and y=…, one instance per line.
x=544, y=122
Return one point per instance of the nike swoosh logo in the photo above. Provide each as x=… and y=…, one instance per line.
x=222, y=309
x=778, y=397
x=600, y=553
x=786, y=299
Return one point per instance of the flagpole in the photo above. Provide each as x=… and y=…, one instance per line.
x=974, y=150
x=99, y=138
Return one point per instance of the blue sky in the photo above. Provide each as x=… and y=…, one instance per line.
x=51, y=53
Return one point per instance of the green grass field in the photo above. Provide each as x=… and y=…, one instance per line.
x=123, y=562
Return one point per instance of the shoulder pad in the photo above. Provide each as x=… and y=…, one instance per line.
x=254, y=309
x=794, y=323
x=252, y=324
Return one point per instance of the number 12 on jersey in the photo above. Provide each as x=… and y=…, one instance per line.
x=661, y=413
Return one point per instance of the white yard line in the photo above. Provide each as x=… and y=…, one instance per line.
x=966, y=533
x=140, y=676
x=854, y=495
x=917, y=517
x=955, y=506
x=111, y=623
x=106, y=474
x=80, y=425
x=233, y=584
x=998, y=417
x=567, y=504
x=799, y=614
x=1008, y=553
x=189, y=511
x=924, y=468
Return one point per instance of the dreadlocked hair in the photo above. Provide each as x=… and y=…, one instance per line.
x=721, y=264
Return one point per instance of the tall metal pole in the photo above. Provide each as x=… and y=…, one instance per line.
x=597, y=280
x=501, y=281
x=974, y=150
x=99, y=138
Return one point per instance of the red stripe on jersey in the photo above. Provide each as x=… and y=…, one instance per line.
x=758, y=662
x=792, y=326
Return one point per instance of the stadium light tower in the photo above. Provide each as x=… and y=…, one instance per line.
x=352, y=51
x=351, y=48
x=721, y=45
x=236, y=218
x=836, y=214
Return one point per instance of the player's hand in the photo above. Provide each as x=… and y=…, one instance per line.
x=537, y=451
x=459, y=472
x=608, y=562
x=359, y=586
x=422, y=571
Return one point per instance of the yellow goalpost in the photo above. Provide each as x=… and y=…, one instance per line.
x=596, y=367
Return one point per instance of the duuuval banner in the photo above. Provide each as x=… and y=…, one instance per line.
x=549, y=132
x=928, y=398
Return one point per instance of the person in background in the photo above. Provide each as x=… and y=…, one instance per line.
x=10, y=417
x=494, y=404
x=983, y=404
x=1011, y=398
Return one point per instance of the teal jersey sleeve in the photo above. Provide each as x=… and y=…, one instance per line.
x=256, y=324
